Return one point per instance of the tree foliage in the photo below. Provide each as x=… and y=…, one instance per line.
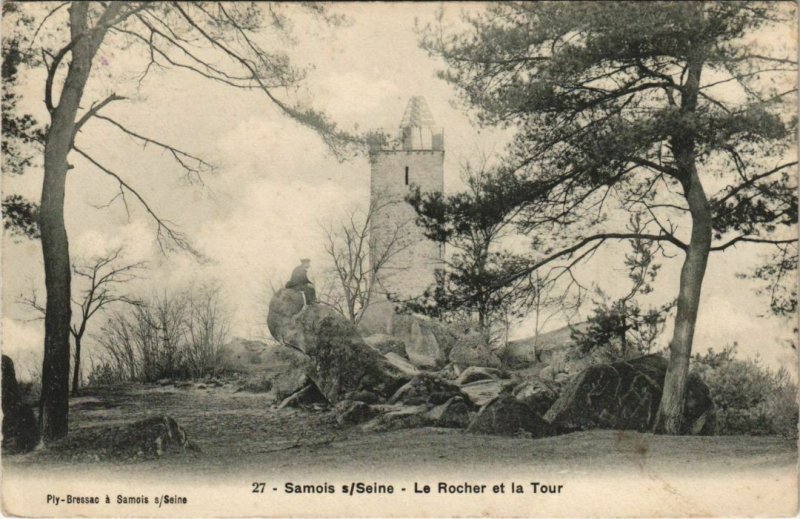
x=22, y=136
x=472, y=224
x=624, y=108
x=623, y=327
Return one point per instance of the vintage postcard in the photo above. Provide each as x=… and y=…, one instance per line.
x=522, y=259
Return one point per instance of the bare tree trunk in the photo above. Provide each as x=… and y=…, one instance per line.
x=670, y=413
x=54, y=408
x=76, y=370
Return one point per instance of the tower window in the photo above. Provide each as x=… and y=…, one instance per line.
x=406, y=175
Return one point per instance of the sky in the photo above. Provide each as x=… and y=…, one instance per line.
x=275, y=183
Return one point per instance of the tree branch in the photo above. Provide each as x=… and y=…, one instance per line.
x=744, y=238
x=164, y=231
x=96, y=107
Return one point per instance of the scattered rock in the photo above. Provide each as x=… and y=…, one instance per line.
x=261, y=384
x=507, y=416
x=148, y=438
x=536, y=394
x=449, y=372
x=426, y=389
x=401, y=417
x=472, y=350
x=625, y=395
x=402, y=364
x=367, y=397
x=453, y=413
x=20, y=430
x=562, y=378
x=386, y=344
x=475, y=373
x=308, y=395
x=353, y=412
x=483, y=391
x=152, y=436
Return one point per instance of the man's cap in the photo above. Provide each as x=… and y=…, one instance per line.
x=305, y=260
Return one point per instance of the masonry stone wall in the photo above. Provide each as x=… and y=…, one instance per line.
x=410, y=271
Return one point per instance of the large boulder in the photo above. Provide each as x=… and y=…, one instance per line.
x=285, y=304
x=401, y=364
x=454, y=413
x=536, y=394
x=386, y=344
x=380, y=317
x=20, y=430
x=472, y=350
x=484, y=391
x=426, y=389
x=377, y=318
x=340, y=361
x=421, y=346
x=306, y=396
x=476, y=373
x=266, y=366
x=507, y=416
x=626, y=395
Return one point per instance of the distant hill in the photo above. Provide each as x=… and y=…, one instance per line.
x=555, y=339
x=522, y=352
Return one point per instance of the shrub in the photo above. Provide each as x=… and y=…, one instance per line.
x=105, y=374
x=175, y=335
x=750, y=398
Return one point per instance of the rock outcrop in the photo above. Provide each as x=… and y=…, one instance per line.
x=472, y=350
x=386, y=344
x=626, y=395
x=340, y=360
x=350, y=412
x=476, y=373
x=507, y=416
x=536, y=394
x=483, y=391
x=20, y=430
x=421, y=346
x=427, y=389
x=454, y=413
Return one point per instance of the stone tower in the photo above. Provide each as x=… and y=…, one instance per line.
x=411, y=155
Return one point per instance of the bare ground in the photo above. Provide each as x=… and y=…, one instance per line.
x=240, y=432
x=243, y=439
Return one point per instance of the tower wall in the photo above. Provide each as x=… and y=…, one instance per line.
x=411, y=270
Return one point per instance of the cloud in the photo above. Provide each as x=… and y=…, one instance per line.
x=23, y=343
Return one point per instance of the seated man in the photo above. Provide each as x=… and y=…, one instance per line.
x=299, y=281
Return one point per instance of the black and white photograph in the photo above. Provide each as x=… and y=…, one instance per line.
x=397, y=259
